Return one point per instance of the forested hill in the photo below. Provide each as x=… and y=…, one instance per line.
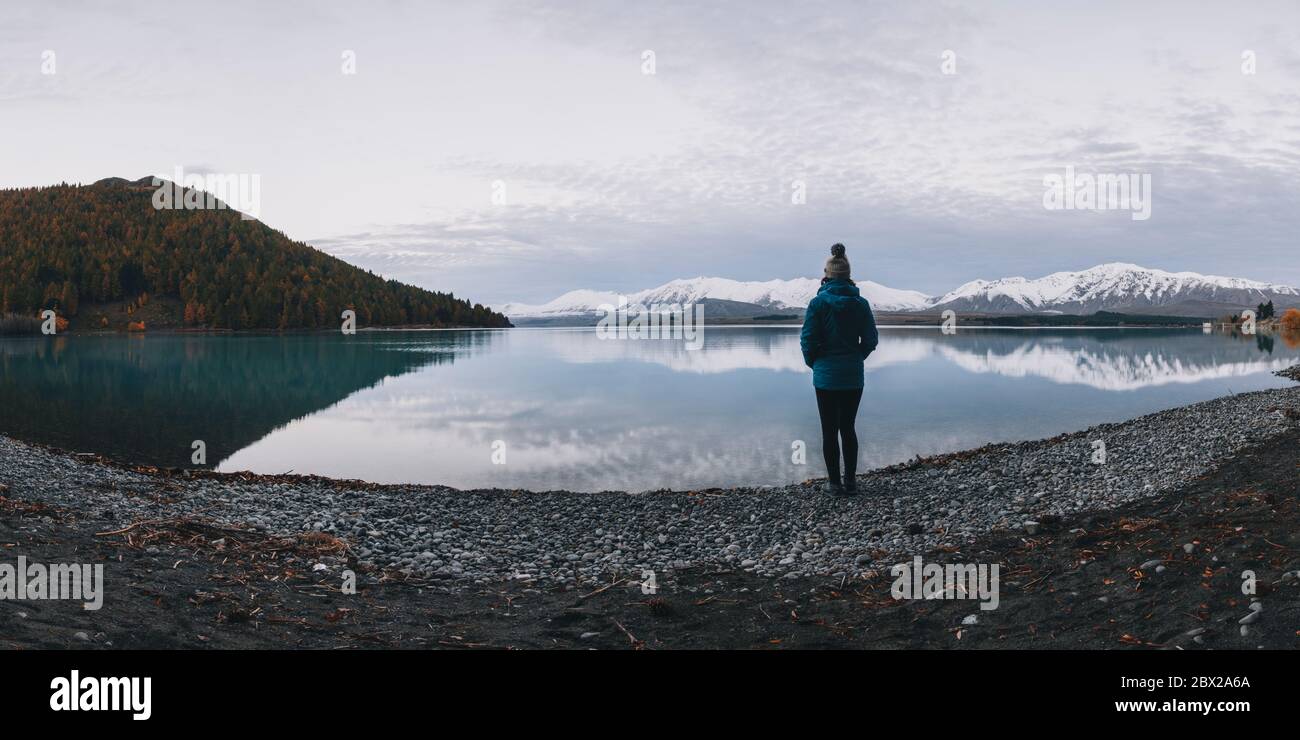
x=101, y=250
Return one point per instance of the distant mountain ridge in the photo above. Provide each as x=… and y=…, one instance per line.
x=766, y=297
x=1116, y=287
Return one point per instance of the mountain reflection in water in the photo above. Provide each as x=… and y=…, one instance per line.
x=580, y=413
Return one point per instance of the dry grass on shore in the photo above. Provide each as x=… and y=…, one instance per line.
x=11, y=323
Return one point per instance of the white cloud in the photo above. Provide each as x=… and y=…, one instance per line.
x=618, y=180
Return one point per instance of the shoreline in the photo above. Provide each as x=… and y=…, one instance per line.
x=938, y=501
x=171, y=331
x=177, y=538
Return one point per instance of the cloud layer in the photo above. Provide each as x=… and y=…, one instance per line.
x=618, y=180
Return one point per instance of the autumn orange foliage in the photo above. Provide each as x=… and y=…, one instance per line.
x=1290, y=320
x=1290, y=323
x=92, y=247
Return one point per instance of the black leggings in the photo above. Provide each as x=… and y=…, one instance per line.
x=838, y=409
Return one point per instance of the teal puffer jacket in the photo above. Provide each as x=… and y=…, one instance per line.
x=839, y=332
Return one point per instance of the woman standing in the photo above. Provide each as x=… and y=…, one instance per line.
x=838, y=334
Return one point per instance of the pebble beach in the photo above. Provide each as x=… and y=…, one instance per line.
x=566, y=539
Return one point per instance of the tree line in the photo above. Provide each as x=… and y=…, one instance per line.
x=67, y=246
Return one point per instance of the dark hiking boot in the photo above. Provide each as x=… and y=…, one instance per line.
x=834, y=489
x=850, y=486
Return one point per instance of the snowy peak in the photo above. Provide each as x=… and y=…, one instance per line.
x=775, y=294
x=572, y=303
x=770, y=295
x=1115, y=286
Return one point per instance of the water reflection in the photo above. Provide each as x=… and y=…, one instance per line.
x=1104, y=359
x=147, y=398
x=1113, y=361
x=580, y=413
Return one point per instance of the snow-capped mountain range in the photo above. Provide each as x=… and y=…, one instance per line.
x=1114, y=286
x=771, y=295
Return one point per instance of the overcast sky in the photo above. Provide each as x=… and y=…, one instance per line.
x=619, y=180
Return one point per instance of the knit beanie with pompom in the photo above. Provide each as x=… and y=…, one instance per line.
x=837, y=267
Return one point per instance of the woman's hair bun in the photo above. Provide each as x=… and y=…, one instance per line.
x=837, y=250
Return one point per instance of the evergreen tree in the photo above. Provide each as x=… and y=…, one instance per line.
x=69, y=247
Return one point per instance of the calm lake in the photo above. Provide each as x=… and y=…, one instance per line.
x=573, y=411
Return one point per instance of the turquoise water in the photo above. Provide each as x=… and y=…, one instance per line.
x=566, y=409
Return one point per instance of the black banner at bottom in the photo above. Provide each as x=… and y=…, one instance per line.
x=305, y=689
